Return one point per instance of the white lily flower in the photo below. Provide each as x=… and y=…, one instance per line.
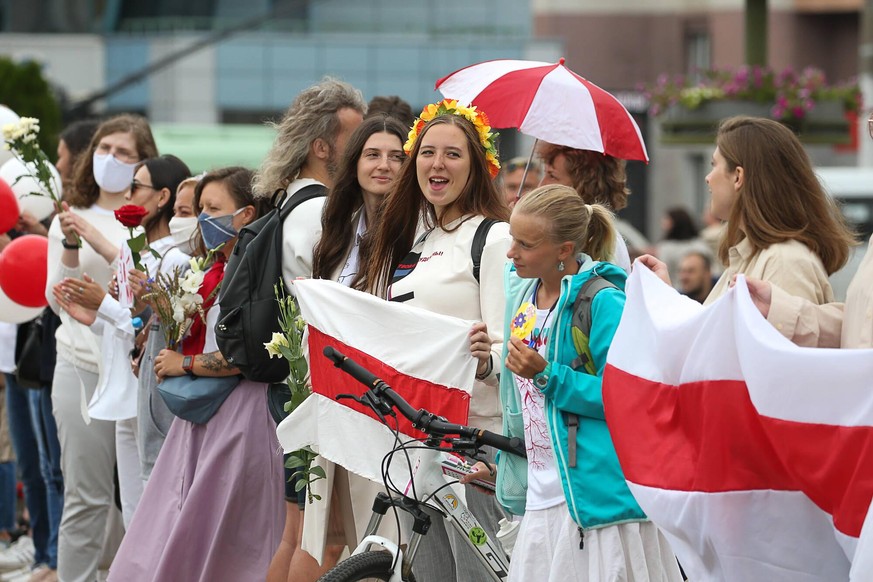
x=273, y=345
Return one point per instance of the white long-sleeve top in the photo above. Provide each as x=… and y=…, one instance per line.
x=115, y=395
x=442, y=282
x=72, y=342
x=300, y=233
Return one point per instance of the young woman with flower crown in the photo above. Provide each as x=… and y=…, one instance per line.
x=447, y=184
x=101, y=177
x=210, y=478
x=580, y=520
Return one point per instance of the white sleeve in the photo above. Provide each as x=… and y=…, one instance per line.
x=56, y=271
x=300, y=233
x=111, y=313
x=492, y=297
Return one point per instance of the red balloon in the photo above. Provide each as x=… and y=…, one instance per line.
x=24, y=270
x=9, y=211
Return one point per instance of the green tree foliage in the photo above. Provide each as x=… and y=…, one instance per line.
x=24, y=90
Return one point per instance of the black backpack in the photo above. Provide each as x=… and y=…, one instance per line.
x=249, y=310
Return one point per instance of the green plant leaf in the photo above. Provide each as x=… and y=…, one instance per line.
x=295, y=461
x=318, y=472
x=137, y=244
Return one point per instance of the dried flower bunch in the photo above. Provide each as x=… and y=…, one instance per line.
x=176, y=300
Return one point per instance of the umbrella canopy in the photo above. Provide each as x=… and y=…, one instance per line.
x=550, y=102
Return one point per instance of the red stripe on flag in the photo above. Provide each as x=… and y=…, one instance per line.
x=506, y=101
x=708, y=437
x=619, y=139
x=329, y=381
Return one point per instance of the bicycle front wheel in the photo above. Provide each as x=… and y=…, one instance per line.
x=374, y=565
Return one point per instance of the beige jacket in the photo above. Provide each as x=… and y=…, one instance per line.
x=791, y=265
x=835, y=325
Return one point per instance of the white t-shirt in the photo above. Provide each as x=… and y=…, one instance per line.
x=438, y=276
x=543, y=482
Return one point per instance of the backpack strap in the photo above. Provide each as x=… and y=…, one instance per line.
x=582, y=321
x=278, y=197
x=306, y=193
x=479, y=240
x=582, y=312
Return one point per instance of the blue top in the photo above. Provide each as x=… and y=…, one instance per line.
x=595, y=489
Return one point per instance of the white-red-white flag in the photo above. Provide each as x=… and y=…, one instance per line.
x=754, y=456
x=423, y=356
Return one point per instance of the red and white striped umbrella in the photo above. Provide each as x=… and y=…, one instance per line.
x=550, y=102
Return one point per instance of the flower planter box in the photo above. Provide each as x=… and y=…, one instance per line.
x=826, y=123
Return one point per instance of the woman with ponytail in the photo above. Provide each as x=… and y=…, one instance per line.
x=580, y=520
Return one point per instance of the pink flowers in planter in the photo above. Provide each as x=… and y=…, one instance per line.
x=791, y=95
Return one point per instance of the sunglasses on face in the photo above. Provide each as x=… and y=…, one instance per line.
x=134, y=186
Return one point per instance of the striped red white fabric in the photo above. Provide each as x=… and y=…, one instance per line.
x=550, y=102
x=754, y=456
x=424, y=356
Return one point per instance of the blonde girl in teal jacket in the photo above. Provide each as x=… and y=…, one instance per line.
x=580, y=521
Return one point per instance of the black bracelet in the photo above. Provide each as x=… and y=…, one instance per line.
x=488, y=368
x=70, y=246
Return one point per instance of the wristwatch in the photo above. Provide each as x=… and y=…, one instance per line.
x=188, y=365
x=541, y=380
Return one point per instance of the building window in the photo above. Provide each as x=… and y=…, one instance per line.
x=698, y=53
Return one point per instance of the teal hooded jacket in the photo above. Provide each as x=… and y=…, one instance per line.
x=595, y=488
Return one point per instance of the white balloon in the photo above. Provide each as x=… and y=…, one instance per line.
x=6, y=116
x=39, y=206
x=12, y=312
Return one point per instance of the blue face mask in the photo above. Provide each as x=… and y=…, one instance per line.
x=217, y=230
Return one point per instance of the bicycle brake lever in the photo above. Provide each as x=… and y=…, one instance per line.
x=476, y=456
x=350, y=396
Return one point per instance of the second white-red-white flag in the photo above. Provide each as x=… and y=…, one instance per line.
x=753, y=455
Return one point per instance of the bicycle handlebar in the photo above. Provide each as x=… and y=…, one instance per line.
x=422, y=419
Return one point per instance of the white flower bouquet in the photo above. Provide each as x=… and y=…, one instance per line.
x=21, y=140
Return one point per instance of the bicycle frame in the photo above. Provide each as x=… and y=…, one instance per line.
x=441, y=493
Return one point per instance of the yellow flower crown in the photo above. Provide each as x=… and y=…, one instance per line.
x=477, y=118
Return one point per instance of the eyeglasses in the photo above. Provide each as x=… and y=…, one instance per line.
x=134, y=186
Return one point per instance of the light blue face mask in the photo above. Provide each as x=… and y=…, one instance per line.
x=217, y=230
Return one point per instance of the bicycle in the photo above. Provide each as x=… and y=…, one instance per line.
x=429, y=487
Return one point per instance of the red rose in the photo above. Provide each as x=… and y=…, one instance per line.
x=130, y=215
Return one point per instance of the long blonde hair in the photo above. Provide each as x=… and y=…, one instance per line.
x=588, y=226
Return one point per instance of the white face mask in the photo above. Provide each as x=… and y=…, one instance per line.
x=112, y=175
x=181, y=229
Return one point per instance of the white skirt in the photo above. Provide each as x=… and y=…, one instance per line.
x=548, y=542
